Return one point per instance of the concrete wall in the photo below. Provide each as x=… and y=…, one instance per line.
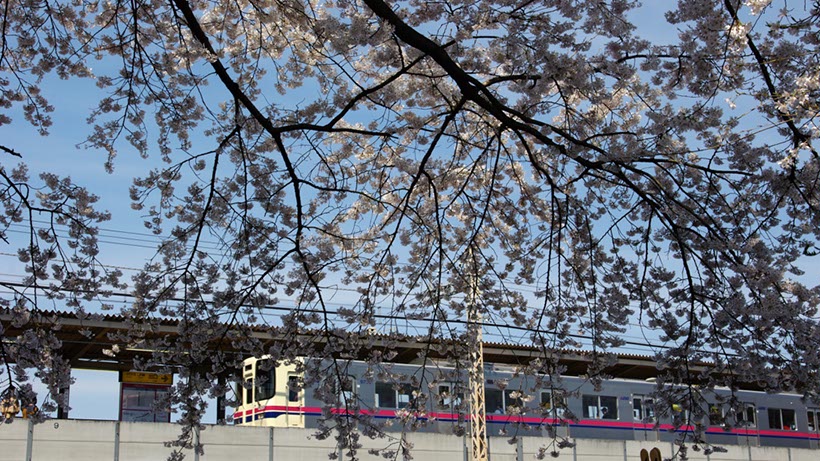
x=13, y=440
x=69, y=440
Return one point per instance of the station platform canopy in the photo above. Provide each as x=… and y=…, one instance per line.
x=85, y=342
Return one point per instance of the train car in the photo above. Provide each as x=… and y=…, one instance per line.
x=430, y=398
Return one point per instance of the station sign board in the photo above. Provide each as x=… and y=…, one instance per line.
x=144, y=377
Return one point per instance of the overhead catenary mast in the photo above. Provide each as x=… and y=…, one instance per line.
x=478, y=414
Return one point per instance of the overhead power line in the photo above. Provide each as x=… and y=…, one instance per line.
x=386, y=317
x=153, y=242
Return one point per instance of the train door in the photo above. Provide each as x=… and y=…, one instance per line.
x=553, y=406
x=448, y=408
x=747, y=422
x=294, y=400
x=347, y=393
x=643, y=417
x=813, y=415
x=265, y=381
x=444, y=408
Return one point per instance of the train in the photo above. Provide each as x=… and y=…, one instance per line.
x=431, y=398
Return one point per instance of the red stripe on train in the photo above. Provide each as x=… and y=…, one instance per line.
x=597, y=423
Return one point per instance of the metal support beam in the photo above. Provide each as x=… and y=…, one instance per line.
x=519, y=449
x=197, y=443
x=62, y=409
x=270, y=445
x=478, y=416
x=117, y=441
x=30, y=439
x=220, y=402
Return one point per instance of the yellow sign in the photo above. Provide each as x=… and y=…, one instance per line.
x=144, y=377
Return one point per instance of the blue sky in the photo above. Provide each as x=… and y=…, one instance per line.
x=95, y=393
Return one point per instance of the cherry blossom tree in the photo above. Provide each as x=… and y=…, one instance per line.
x=635, y=165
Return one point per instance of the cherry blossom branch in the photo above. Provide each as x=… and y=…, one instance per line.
x=10, y=151
x=798, y=137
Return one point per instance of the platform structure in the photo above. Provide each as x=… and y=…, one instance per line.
x=85, y=343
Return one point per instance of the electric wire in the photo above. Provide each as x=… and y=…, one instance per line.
x=391, y=317
x=127, y=238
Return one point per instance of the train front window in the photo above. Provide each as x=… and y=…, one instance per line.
x=782, y=418
x=293, y=388
x=600, y=406
x=264, y=380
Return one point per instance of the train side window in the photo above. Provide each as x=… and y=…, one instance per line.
x=493, y=401
x=782, y=418
x=405, y=395
x=513, y=401
x=506, y=401
x=392, y=396
x=348, y=390
x=385, y=395
x=814, y=419
x=553, y=404
x=680, y=416
x=747, y=416
x=446, y=399
x=600, y=406
x=643, y=409
x=716, y=416
x=264, y=380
